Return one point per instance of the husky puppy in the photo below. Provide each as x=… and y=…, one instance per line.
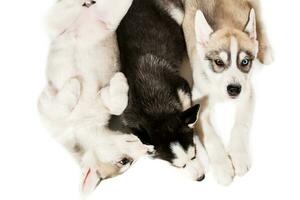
x=224, y=37
x=159, y=109
x=85, y=89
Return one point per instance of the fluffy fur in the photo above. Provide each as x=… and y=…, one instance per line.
x=85, y=89
x=152, y=48
x=224, y=37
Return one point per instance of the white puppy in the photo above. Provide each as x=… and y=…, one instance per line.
x=85, y=89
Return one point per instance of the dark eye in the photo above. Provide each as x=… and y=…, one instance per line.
x=245, y=62
x=219, y=63
x=184, y=166
x=193, y=158
x=125, y=161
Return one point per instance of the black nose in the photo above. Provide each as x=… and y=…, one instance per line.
x=234, y=89
x=201, y=178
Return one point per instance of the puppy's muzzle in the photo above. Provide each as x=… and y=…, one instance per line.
x=234, y=90
x=88, y=4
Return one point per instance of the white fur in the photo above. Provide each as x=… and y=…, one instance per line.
x=84, y=88
x=214, y=86
x=177, y=14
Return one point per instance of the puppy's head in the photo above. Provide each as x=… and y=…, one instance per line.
x=175, y=142
x=226, y=56
x=110, y=160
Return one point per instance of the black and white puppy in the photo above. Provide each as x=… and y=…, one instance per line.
x=159, y=111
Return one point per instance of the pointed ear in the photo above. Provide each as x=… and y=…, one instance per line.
x=250, y=28
x=202, y=28
x=190, y=116
x=90, y=180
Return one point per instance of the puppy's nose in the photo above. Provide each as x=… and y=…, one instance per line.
x=201, y=178
x=234, y=90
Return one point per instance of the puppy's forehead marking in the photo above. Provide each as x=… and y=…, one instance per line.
x=234, y=48
x=224, y=55
x=242, y=55
x=181, y=156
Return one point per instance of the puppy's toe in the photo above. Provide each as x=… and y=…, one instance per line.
x=118, y=84
x=241, y=163
x=223, y=172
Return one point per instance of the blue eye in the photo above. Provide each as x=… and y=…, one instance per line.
x=245, y=62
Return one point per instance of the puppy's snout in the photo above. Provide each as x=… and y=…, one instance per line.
x=88, y=3
x=234, y=90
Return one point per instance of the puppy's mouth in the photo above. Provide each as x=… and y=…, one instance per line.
x=89, y=3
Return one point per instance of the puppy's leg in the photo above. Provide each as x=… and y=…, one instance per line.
x=189, y=29
x=115, y=96
x=57, y=105
x=218, y=158
x=62, y=15
x=239, y=142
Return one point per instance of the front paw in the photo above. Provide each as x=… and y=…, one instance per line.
x=241, y=162
x=223, y=171
x=116, y=95
x=59, y=104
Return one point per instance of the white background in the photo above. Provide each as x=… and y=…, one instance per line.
x=33, y=166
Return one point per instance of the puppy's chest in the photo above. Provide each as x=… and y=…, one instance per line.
x=89, y=26
x=92, y=59
x=223, y=118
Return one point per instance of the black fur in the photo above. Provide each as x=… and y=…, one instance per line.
x=152, y=48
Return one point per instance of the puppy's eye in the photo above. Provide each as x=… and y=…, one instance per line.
x=193, y=158
x=219, y=63
x=245, y=62
x=184, y=166
x=124, y=161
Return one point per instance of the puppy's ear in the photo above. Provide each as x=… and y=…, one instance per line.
x=250, y=28
x=90, y=180
x=202, y=28
x=190, y=116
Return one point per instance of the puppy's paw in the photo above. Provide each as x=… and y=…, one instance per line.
x=70, y=93
x=241, y=162
x=118, y=84
x=115, y=96
x=223, y=171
